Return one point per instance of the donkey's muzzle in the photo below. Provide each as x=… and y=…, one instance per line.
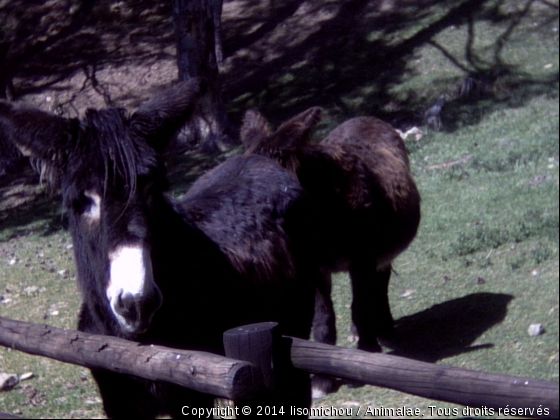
x=137, y=311
x=133, y=294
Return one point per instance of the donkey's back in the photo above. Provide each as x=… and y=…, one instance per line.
x=259, y=216
x=376, y=185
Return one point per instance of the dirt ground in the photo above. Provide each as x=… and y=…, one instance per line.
x=280, y=55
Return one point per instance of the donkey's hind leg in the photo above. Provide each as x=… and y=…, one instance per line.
x=384, y=319
x=371, y=314
x=324, y=320
x=324, y=331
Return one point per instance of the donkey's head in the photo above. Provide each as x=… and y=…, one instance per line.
x=284, y=144
x=109, y=169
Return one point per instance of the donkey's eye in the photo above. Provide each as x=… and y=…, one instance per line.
x=88, y=205
x=81, y=204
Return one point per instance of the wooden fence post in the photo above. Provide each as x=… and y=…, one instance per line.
x=255, y=344
x=285, y=386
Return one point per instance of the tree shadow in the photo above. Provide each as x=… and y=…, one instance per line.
x=42, y=45
x=246, y=29
x=284, y=55
x=449, y=329
x=185, y=168
x=337, y=63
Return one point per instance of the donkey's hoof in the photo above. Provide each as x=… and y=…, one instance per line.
x=318, y=394
x=321, y=386
x=390, y=341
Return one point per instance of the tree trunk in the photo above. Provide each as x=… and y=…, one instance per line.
x=197, y=32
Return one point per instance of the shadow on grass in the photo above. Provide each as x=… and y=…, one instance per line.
x=340, y=66
x=184, y=169
x=26, y=206
x=449, y=329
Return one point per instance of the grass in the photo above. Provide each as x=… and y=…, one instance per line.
x=488, y=245
x=484, y=265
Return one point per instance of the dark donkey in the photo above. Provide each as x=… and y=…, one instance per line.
x=359, y=176
x=170, y=273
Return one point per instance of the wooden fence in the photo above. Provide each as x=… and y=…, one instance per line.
x=235, y=379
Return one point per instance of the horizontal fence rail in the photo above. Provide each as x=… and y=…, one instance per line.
x=204, y=372
x=460, y=386
x=238, y=380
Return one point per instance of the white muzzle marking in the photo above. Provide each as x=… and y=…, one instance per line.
x=131, y=277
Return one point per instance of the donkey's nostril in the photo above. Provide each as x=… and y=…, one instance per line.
x=119, y=299
x=135, y=312
x=126, y=305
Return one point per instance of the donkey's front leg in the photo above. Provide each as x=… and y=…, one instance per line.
x=324, y=331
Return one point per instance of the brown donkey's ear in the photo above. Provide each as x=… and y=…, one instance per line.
x=46, y=138
x=295, y=132
x=255, y=128
x=159, y=119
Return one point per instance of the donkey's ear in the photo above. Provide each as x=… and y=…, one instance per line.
x=296, y=131
x=159, y=119
x=40, y=135
x=255, y=127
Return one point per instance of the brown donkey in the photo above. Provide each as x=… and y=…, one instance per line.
x=359, y=177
